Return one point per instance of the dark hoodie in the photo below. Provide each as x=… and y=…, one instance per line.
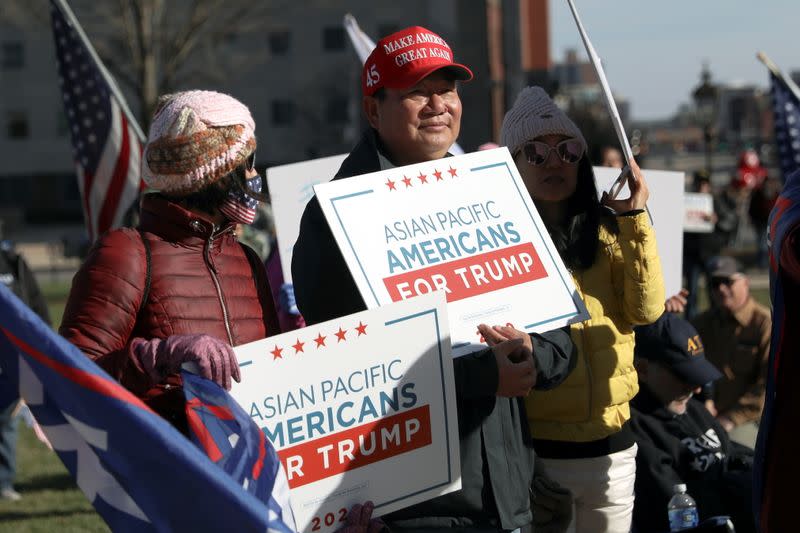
x=691, y=448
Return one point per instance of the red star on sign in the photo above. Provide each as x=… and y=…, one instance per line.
x=390, y=184
x=276, y=353
x=452, y=171
x=320, y=340
x=340, y=334
x=407, y=181
x=423, y=178
x=298, y=346
x=361, y=329
x=438, y=174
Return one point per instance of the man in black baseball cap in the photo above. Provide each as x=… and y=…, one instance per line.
x=674, y=346
x=679, y=440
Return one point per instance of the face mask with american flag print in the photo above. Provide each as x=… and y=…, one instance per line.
x=238, y=206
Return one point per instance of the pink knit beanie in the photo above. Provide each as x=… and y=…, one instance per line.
x=196, y=138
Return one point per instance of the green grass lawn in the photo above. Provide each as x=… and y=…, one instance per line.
x=56, y=295
x=51, y=500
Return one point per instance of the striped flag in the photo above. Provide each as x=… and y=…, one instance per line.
x=786, y=109
x=106, y=140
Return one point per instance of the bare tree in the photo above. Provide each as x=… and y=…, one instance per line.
x=156, y=46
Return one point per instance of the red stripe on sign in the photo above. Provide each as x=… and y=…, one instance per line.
x=118, y=181
x=474, y=275
x=357, y=447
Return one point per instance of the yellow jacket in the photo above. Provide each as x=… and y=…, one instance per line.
x=623, y=288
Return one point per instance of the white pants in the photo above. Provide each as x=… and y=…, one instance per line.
x=602, y=488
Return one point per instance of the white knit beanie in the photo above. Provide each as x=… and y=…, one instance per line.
x=534, y=114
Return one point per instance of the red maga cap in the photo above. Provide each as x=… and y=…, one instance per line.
x=402, y=59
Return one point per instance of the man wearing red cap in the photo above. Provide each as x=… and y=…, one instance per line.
x=410, y=99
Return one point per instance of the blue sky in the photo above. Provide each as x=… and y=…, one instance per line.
x=653, y=51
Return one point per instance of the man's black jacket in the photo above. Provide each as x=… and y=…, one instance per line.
x=496, y=453
x=691, y=448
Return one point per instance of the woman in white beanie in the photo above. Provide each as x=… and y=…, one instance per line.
x=579, y=428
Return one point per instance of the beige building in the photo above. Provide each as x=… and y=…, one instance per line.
x=302, y=86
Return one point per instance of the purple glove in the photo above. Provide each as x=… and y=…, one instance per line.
x=359, y=520
x=214, y=358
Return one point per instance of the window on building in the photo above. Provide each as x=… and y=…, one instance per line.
x=17, y=125
x=387, y=28
x=336, y=110
x=333, y=38
x=278, y=42
x=13, y=55
x=283, y=112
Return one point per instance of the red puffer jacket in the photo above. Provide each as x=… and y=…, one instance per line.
x=201, y=281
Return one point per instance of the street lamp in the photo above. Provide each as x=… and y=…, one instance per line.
x=705, y=97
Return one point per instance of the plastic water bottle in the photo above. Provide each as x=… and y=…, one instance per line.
x=682, y=510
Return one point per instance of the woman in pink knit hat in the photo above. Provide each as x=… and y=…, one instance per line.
x=180, y=287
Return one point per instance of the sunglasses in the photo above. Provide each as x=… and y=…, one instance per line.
x=250, y=162
x=246, y=184
x=716, y=282
x=569, y=151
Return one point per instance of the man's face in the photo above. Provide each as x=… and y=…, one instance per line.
x=612, y=158
x=672, y=391
x=419, y=123
x=730, y=293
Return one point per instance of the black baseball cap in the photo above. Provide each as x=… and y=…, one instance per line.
x=723, y=266
x=673, y=342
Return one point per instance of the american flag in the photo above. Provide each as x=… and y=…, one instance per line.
x=138, y=471
x=786, y=109
x=106, y=141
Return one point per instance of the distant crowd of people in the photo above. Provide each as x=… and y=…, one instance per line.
x=584, y=428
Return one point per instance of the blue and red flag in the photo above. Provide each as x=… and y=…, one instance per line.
x=230, y=438
x=776, y=470
x=138, y=471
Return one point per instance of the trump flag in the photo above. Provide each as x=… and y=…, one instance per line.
x=138, y=471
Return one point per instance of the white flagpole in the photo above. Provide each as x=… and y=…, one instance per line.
x=362, y=44
x=109, y=79
x=779, y=74
x=598, y=67
x=616, y=120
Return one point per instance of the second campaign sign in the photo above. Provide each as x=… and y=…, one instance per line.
x=463, y=225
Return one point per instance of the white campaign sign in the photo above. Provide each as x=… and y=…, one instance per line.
x=666, y=208
x=698, y=212
x=359, y=408
x=290, y=189
x=464, y=225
